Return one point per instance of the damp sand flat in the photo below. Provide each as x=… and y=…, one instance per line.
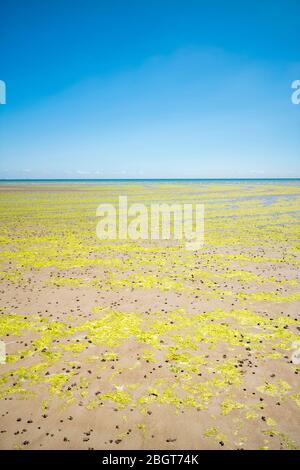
x=140, y=345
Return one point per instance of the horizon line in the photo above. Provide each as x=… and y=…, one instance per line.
x=147, y=179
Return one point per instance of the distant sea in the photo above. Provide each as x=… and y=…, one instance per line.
x=148, y=180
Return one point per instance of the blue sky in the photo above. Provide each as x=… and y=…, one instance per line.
x=145, y=89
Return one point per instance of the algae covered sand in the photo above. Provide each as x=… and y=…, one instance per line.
x=143, y=344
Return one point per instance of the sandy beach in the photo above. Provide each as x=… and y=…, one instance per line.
x=144, y=344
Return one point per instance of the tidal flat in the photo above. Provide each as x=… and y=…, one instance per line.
x=123, y=344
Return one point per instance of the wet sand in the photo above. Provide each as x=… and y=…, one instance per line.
x=145, y=345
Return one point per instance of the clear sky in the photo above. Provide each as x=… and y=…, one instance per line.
x=149, y=88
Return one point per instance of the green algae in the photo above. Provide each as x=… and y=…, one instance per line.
x=112, y=328
x=119, y=397
x=227, y=406
x=57, y=387
x=215, y=434
x=276, y=389
x=15, y=324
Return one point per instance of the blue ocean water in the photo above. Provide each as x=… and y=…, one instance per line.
x=149, y=180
